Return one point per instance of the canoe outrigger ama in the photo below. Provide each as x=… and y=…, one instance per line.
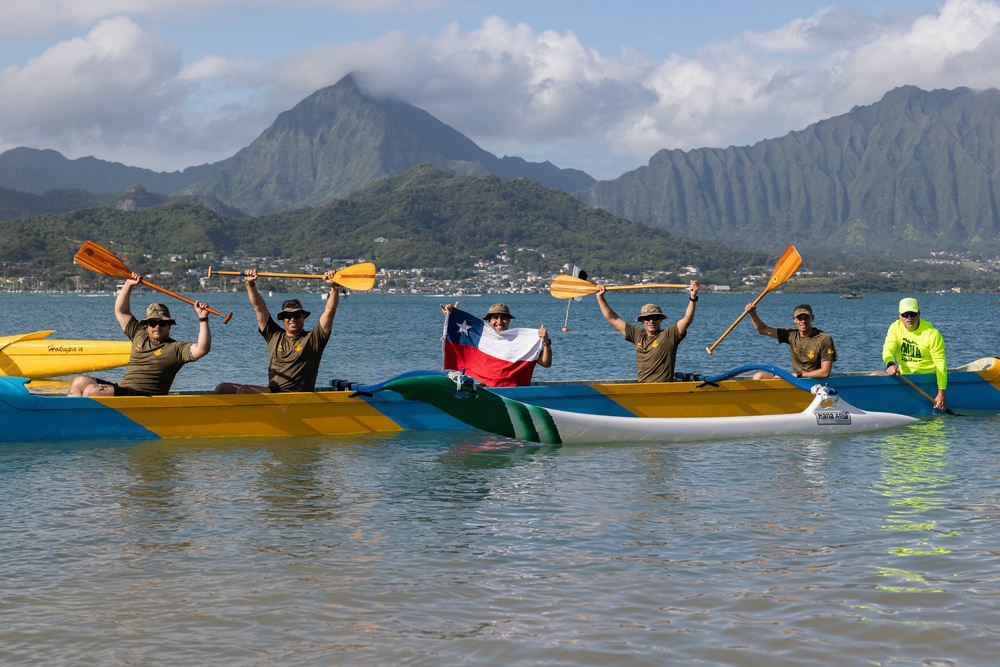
x=459, y=396
x=360, y=409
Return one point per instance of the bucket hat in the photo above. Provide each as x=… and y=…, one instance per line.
x=498, y=309
x=650, y=310
x=290, y=306
x=157, y=311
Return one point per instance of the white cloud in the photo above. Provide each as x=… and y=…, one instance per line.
x=121, y=92
x=112, y=81
x=958, y=46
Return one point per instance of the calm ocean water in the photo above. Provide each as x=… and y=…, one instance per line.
x=459, y=548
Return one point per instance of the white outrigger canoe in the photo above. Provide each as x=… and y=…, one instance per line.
x=459, y=396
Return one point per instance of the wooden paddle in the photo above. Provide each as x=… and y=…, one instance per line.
x=787, y=265
x=357, y=277
x=567, y=287
x=99, y=259
x=924, y=393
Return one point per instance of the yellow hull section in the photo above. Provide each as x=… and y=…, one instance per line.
x=35, y=356
x=252, y=415
x=732, y=398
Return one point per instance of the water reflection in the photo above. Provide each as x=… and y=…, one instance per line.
x=152, y=503
x=915, y=473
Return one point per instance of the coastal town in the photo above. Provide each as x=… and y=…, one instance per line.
x=492, y=275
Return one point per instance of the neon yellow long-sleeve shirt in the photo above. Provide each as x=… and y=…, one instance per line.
x=917, y=351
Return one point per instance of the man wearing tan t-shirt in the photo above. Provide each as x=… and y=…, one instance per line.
x=655, y=348
x=294, y=353
x=155, y=357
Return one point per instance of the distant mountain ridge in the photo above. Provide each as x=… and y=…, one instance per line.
x=338, y=139
x=38, y=171
x=916, y=172
x=328, y=145
x=16, y=204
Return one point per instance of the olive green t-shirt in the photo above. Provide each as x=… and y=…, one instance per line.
x=152, y=366
x=654, y=357
x=294, y=362
x=808, y=352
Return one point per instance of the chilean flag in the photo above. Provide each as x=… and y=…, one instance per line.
x=497, y=359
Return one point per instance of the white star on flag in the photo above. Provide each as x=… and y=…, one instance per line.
x=463, y=328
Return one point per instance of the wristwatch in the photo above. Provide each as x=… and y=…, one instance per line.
x=797, y=374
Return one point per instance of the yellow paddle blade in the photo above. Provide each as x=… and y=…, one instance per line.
x=567, y=287
x=787, y=265
x=357, y=277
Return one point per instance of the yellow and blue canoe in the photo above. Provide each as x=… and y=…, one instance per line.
x=352, y=408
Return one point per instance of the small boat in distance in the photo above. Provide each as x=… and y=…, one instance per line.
x=852, y=295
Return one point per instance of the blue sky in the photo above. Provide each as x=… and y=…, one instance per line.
x=594, y=86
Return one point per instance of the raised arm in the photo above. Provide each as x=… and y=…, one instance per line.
x=332, y=301
x=685, y=322
x=256, y=300
x=758, y=323
x=610, y=315
x=545, y=358
x=204, y=344
x=123, y=309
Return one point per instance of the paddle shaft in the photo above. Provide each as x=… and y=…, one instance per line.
x=651, y=286
x=922, y=392
x=225, y=318
x=266, y=274
x=733, y=325
x=785, y=268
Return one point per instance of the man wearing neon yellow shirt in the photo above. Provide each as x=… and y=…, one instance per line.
x=913, y=345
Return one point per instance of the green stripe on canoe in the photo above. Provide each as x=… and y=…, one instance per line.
x=531, y=422
x=483, y=410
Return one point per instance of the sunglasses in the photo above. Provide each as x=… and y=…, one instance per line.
x=908, y=314
x=293, y=316
x=158, y=323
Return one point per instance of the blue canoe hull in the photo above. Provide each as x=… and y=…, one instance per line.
x=29, y=416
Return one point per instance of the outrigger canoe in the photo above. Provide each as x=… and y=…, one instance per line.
x=351, y=408
x=35, y=356
x=461, y=397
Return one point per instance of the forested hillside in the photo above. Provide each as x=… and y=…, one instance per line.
x=422, y=219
